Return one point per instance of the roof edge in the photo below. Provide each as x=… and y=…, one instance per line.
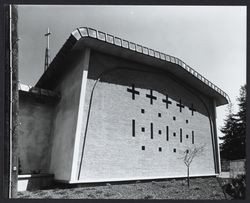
x=87, y=32
x=93, y=33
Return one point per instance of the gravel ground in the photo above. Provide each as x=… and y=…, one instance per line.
x=200, y=188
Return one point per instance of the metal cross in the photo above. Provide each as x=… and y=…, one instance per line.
x=151, y=96
x=47, y=54
x=180, y=105
x=47, y=35
x=133, y=91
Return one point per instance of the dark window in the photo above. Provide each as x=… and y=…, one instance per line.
x=159, y=132
x=151, y=130
x=151, y=96
x=133, y=91
x=187, y=151
x=174, y=150
x=142, y=111
x=167, y=101
x=159, y=149
x=180, y=135
x=192, y=109
x=180, y=105
x=186, y=136
x=159, y=114
x=167, y=133
x=143, y=147
x=192, y=137
x=133, y=128
x=174, y=134
x=174, y=118
x=186, y=121
x=143, y=129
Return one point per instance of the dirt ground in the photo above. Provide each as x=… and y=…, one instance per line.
x=200, y=188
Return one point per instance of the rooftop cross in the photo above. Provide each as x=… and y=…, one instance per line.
x=47, y=35
x=47, y=56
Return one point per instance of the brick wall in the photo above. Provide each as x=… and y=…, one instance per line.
x=112, y=153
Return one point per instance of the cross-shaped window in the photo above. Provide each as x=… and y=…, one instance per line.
x=180, y=105
x=151, y=96
x=167, y=101
x=133, y=91
x=192, y=109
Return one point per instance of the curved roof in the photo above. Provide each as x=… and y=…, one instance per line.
x=98, y=40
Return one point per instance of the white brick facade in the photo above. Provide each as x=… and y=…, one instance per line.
x=112, y=153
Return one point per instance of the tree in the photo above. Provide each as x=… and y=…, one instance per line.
x=234, y=130
x=189, y=156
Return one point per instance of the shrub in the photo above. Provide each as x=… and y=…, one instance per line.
x=237, y=188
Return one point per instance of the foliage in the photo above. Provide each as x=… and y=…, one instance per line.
x=237, y=188
x=190, y=153
x=234, y=130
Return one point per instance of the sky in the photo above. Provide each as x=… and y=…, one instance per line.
x=210, y=39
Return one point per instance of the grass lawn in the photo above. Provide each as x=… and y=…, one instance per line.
x=200, y=188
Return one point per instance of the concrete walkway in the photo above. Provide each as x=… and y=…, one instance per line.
x=224, y=175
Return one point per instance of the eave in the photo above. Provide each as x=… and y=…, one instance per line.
x=100, y=41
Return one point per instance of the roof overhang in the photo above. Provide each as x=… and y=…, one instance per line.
x=100, y=41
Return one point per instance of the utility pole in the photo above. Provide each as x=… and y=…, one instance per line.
x=47, y=54
x=9, y=141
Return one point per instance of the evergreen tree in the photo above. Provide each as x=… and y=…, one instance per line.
x=234, y=130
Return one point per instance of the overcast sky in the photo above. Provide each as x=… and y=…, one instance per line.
x=210, y=39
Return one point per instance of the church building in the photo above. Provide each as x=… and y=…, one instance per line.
x=107, y=109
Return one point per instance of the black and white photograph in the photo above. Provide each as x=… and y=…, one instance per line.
x=126, y=102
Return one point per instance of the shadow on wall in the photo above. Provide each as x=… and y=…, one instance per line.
x=35, y=116
x=124, y=72
x=157, y=80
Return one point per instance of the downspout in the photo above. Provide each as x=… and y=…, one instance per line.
x=11, y=98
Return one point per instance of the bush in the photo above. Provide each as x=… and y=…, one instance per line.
x=237, y=188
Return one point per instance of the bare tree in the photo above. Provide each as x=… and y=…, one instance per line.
x=190, y=154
